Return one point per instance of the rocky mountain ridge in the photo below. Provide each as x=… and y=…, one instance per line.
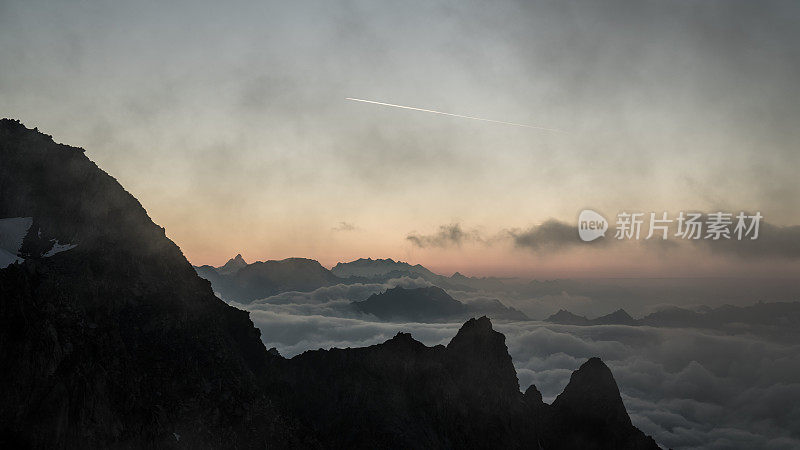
x=761, y=314
x=430, y=304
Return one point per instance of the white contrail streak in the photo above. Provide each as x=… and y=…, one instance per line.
x=453, y=115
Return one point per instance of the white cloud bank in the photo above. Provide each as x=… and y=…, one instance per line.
x=687, y=388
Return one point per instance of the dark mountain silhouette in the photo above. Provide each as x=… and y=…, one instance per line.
x=618, y=317
x=368, y=267
x=494, y=308
x=249, y=282
x=480, y=283
x=117, y=343
x=233, y=265
x=565, y=317
x=430, y=304
x=591, y=406
x=463, y=395
x=243, y=283
x=419, y=305
x=628, y=293
x=775, y=320
x=367, y=270
x=779, y=314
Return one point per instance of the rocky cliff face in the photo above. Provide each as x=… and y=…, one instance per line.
x=412, y=396
x=589, y=414
x=116, y=342
x=463, y=395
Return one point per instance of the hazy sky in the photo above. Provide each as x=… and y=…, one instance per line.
x=227, y=120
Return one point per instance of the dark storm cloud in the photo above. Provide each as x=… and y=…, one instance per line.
x=345, y=226
x=781, y=242
x=451, y=235
x=549, y=236
x=773, y=242
x=552, y=235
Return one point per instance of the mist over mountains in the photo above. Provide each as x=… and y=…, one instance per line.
x=760, y=316
x=687, y=386
x=700, y=373
x=115, y=341
x=416, y=293
x=106, y=322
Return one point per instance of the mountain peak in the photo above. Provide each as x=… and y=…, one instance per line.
x=233, y=265
x=404, y=341
x=590, y=410
x=618, y=317
x=593, y=394
x=565, y=317
x=476, y=327
x=477, y=338
x=483, y=357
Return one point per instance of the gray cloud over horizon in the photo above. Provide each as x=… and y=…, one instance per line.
x=555, y=236
x=233, y=115
x=345, y=226
x=447, y=236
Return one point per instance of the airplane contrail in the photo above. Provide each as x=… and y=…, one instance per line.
x=453, y=115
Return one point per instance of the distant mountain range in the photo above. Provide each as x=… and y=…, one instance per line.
x=371, y=268
x=779, y=315
x=429, y=304
x=241, y=282
x=618, y=317
x=238, y=281
x=380, y=270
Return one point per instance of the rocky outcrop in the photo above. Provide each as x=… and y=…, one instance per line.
x=589, y=414
x=412, y=396
x=463, y=395
x=115, y=341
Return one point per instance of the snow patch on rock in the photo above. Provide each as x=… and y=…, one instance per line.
x=58, y=248
x=12, y=232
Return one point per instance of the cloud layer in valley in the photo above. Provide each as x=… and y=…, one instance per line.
x=687, y=388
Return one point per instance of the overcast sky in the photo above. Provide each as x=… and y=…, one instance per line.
x=228, y=121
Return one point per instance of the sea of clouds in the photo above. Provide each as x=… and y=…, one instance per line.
x=688, y=388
